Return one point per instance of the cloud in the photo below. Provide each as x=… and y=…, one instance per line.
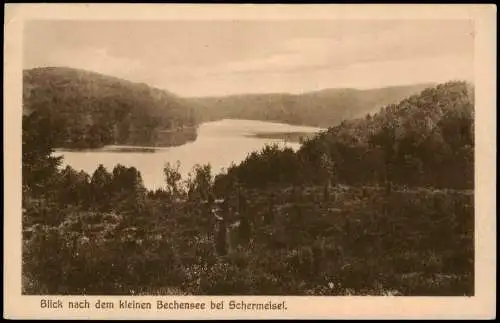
x=359, y=75
x=408, y=42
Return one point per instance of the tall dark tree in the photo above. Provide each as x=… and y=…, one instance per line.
x=101, y=187
x=39, y=166
x=244, y=230
x=74, y=187
x=221, y=238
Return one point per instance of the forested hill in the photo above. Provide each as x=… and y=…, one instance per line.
x=424, y=140
x=323, y=108
x=83, y=109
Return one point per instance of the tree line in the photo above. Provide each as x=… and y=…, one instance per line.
x=425, y=140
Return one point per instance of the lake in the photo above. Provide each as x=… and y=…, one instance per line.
x=219, y=143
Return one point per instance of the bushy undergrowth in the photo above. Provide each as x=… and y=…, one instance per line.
x=360, y=242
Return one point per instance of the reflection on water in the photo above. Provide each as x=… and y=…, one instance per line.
x=219, y=143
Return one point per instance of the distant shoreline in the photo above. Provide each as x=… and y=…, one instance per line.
x=287, y=136
x=112, y=148
x=304, y=132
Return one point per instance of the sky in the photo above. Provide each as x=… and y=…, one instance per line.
x=207, y=58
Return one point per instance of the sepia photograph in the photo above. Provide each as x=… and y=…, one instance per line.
x=248, y=157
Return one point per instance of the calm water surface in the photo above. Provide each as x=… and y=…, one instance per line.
x=219, y=143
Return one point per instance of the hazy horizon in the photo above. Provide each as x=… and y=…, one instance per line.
x=218, y=58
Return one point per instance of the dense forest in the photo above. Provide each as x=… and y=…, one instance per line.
x=425, y=140
x=381, y=205
x=89, y=110
x=321, y=108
